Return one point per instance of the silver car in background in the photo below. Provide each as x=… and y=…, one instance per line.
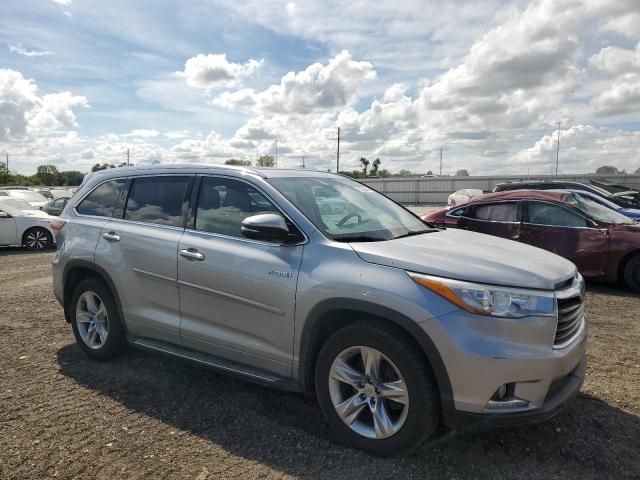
x=395, y=326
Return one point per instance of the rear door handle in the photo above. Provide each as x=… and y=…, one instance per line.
x=192, y=254
x=111, y=236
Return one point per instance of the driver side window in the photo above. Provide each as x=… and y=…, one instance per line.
x=539, y=213
x=224, y=203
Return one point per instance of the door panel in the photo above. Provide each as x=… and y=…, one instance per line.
x=565, y=233
x=144, y=262
x=588, y=248
x=239, y=299
x=8, y=231
x=237, y=296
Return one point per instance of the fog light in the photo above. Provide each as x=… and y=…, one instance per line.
x=504, y=399
x=501, y=392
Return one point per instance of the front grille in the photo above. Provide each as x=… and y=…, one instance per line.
x=570, y=301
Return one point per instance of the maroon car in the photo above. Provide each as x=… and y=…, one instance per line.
x=601, y=242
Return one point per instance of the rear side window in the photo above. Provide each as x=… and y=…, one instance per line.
x=157, y=200
x=539, y=213
x=498, y=212
x=224, y=203
x=102, y=200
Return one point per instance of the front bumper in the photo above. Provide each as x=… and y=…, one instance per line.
x=560, y=395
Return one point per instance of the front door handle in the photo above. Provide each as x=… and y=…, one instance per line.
x=192, y=254
x=111, y=236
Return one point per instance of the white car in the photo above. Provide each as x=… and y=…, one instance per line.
x=21, y=225
x=463, y=196
x=35, y=199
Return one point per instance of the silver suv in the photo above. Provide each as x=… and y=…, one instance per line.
x=312, y=282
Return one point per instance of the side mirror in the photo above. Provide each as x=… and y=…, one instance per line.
x=4, y=214
x=267, y=226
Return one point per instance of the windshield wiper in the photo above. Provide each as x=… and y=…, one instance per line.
x=413, y=233
x=360, y=238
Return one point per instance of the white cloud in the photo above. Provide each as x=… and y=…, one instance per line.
x=317, y=88
x=20, y=50
x=23, y=112
x=622, y=97
x=66, y=3
x=616, y=60
x=245, y=97
x=211, y=70
x=143, y=133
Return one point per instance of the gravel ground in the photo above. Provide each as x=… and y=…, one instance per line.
x=146, y=416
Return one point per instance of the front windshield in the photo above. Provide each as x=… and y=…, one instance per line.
x=596, y=211
x=28, y=196
x=348, y=211
x=13, y=206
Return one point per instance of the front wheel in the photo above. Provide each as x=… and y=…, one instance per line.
x=376, y=390
x=632, y=273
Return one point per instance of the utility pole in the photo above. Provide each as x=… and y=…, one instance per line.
x=303, y=162
x=338, y=153
x=440, y=161
x=7, y=164
x=128, y=158
x=276, y=153
x=558, y=150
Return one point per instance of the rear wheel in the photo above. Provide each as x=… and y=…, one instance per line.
x=37, y=238
x=95, y=320
x=376, y=390
x=632, y=273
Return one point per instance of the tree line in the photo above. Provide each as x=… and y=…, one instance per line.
x=45, y=175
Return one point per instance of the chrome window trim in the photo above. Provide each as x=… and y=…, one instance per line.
x=243, y=239
x=137, y=222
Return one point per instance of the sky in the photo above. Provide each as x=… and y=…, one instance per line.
x=489, y=83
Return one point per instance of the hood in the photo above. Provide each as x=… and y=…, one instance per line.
x=36, y=213
x=470, y=256
x=630, y=212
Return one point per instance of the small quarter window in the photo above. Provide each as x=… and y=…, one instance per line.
x=102, y=200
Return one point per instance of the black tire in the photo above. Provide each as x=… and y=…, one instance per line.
x=423, y=415
x=37, y=238
x=116, y=338
x=632, y=274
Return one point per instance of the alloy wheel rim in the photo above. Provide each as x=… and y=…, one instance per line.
x=92, y=320
x=368, y=392
x=37, y=239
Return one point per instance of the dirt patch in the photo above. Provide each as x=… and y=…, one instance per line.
x=146, y=416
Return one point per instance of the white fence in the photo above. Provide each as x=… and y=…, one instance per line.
x=435, y=190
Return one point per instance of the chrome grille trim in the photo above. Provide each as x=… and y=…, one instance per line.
x=570, y=309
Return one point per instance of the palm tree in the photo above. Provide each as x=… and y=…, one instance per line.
x=365, y=165
x=376, y=165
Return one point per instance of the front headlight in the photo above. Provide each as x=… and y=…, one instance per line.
x=490, y=300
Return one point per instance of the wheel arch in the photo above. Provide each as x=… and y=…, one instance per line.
x=76, y=271
x=330, y=315
x=624, y=261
